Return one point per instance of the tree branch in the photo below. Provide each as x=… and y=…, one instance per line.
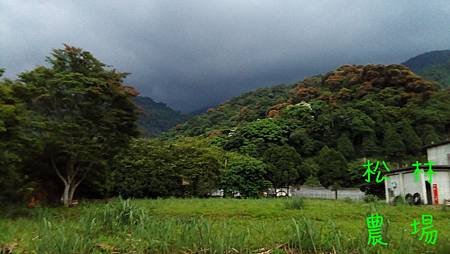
x=84, y=175
x=52, y=160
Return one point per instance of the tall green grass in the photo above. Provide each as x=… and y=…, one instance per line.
x=296, y=203
x=215, y=226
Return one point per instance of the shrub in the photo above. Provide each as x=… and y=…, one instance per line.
x=370, y=198
x=348, y=200
x=296, y=203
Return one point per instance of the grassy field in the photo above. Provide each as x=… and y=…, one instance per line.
x=216, y=226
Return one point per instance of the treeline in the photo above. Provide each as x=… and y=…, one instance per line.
x=188, y=167
x=70, y=130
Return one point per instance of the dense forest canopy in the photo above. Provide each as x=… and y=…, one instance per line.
x=385, y=112
x=72, y=127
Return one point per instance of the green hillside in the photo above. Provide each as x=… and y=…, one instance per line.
x=245, y=108
x=156, y=117
x=332, y=121
x=434, y=65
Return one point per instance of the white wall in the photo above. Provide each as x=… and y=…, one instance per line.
x=439, y=154
x=321, y=192
x=442, y=179
x=406, y=183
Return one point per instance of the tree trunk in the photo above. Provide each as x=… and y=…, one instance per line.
x=65, y=196
x=73, y=178
x=69, y=180
x=71, y=193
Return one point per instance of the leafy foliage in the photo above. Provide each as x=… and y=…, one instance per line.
x=242, y=109
x=151, y=168
x=83, y=113
x=332, y=168
x=14, y=140
x=355, y=111
x=284, y=166
x=245, y=175
x=77, y=115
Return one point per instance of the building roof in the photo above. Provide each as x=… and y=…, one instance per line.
x=437, y=144
x=435, y=168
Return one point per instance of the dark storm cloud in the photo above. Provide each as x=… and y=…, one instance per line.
x=191, y=54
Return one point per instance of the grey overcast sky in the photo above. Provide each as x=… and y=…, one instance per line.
x=192, y=54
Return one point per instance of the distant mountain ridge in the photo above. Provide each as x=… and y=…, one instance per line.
x=433, y=65
x=351, y=82
x=269, y=101
x=157, y=117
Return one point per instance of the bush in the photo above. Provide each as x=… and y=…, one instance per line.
x=296, y=203
x=370, y=198
x=348, y=200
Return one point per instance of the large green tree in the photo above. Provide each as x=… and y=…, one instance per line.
x=284, y=166
x=199, y=165
x=85, y=112
x=245, y=175
x=153, y=168
x=332, y=168
x=14, y=141
x=146, y=169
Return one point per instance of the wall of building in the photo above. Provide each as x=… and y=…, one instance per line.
x=390, y=185
x=407, y=184
x=410, y=185
x=439, y=154
x=442, y=179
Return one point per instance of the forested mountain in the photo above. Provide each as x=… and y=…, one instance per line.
x=157, y=117
x=434, y=65
x=328, y=123
x=72, y=126
x=247, y=107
